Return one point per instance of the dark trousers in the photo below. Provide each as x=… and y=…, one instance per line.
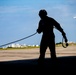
x=43, y=47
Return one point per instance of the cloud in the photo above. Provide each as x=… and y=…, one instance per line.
x=14, y=9
x=6, y=9
x=72, y=1
x=74, y=17
x=62, y=10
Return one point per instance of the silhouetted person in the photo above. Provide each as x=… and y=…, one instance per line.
x=46, y=26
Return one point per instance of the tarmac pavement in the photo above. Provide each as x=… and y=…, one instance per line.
x=26, y=61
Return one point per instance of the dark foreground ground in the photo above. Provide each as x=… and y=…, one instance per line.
x=61, y=66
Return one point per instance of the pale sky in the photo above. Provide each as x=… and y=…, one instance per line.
x=19, y=19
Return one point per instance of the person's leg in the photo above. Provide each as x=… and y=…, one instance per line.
x=43, y=48
x=53, y=52
x=52, y=49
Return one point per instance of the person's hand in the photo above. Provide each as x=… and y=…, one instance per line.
x=65, y=38
x=38, y=31
x=67, y=44
x=66, y=41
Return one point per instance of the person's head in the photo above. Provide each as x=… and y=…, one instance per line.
x=42, y=13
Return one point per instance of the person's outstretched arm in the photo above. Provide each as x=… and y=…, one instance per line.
x=39, y=29
x=58, y=27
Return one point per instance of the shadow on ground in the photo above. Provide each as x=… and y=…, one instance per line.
x=30, y=66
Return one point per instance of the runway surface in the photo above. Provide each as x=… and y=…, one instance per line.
x=26, y=61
